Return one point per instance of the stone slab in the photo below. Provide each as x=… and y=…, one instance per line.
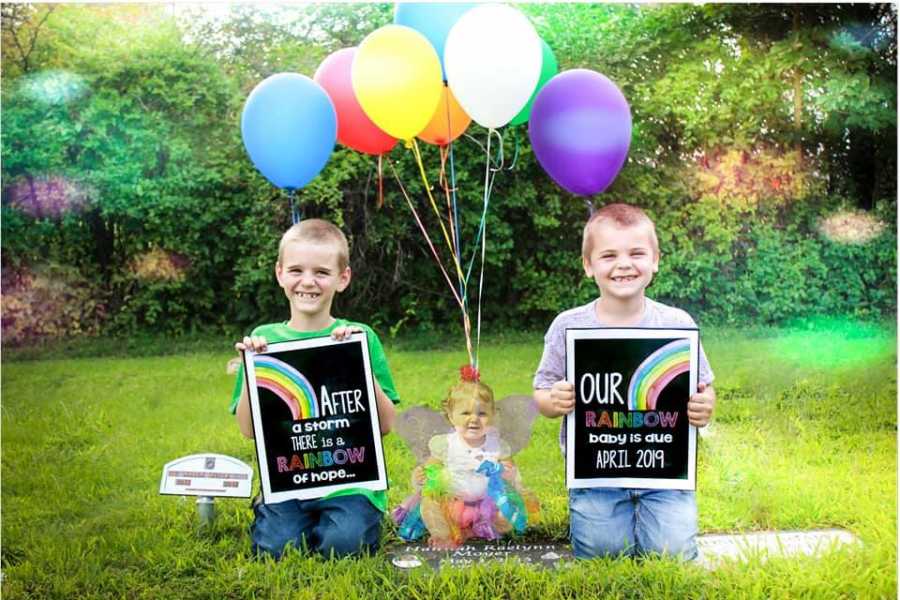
x=767, y=544
x=539, y=554
x=713, y=548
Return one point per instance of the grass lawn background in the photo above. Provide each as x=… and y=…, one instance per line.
x=804, y=437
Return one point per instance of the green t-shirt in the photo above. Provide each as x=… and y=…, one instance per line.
x=281, y=332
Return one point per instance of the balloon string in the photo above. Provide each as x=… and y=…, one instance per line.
x=463, y=284
x=454, y=225
x=415, y=213
x=488, y=184
x=515, y=155
x=455, y=212
x=490, y=187
x=481, y=227
x=437, y=212
x=368, y=185
x=412, y=208
x=456, y=262
x=442, y=182
x=480, y=292
x=296, y=214
x=499, y=160
x=454, y=220
x=380, y=202
x=442, y=179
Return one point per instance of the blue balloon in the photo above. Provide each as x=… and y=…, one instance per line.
x=289, y=128
x=434, y=21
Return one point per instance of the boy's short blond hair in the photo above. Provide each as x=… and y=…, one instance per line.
x=469, y=390
x=318, y=231
x=623, y=215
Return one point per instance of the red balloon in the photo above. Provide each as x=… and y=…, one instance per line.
x=354, y=129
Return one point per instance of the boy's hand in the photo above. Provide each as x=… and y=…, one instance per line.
x=342, y=333
x=700, y=406
x=255, y=343
x=562, y=398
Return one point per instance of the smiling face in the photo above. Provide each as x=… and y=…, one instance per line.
x=310, y=275
x=622, y=259
x=471, y=419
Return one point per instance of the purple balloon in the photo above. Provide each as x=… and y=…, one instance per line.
x=580, y=129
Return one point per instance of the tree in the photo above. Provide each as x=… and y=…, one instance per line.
x=21, y=26
x=123, y=165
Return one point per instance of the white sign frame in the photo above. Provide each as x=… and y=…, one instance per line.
x=271, y=497
x=612, y=333
x=180, y=475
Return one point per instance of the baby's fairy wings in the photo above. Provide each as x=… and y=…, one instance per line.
x=515, y=417
x=417, y=426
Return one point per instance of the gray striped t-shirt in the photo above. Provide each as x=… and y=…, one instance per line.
x=553, y=361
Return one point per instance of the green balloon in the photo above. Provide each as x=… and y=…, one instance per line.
x=549, y=68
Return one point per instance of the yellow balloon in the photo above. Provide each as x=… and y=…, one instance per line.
x=397, y=80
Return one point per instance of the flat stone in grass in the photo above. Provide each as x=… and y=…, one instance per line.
x=770, y=544
x=540, y=553
x=713, y=549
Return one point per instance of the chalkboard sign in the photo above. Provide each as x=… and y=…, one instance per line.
x=630, y=428
x=315, y=418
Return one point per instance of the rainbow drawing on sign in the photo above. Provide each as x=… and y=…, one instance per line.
x=287, y=383
x=655, y=373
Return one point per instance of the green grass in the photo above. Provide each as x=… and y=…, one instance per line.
x=804, y=437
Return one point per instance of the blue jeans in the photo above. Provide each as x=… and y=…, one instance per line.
x=630, y=522
x=342, y=526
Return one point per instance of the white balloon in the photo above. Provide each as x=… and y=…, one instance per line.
x=493, y=62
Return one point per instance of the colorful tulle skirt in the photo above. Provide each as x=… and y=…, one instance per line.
x=452, y=511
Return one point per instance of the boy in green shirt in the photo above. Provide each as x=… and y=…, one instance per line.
x=312, y=266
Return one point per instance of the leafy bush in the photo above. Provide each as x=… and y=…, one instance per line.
x=51, y=301
x=139, y=183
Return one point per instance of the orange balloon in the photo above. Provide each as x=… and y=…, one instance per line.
x=448, y=122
